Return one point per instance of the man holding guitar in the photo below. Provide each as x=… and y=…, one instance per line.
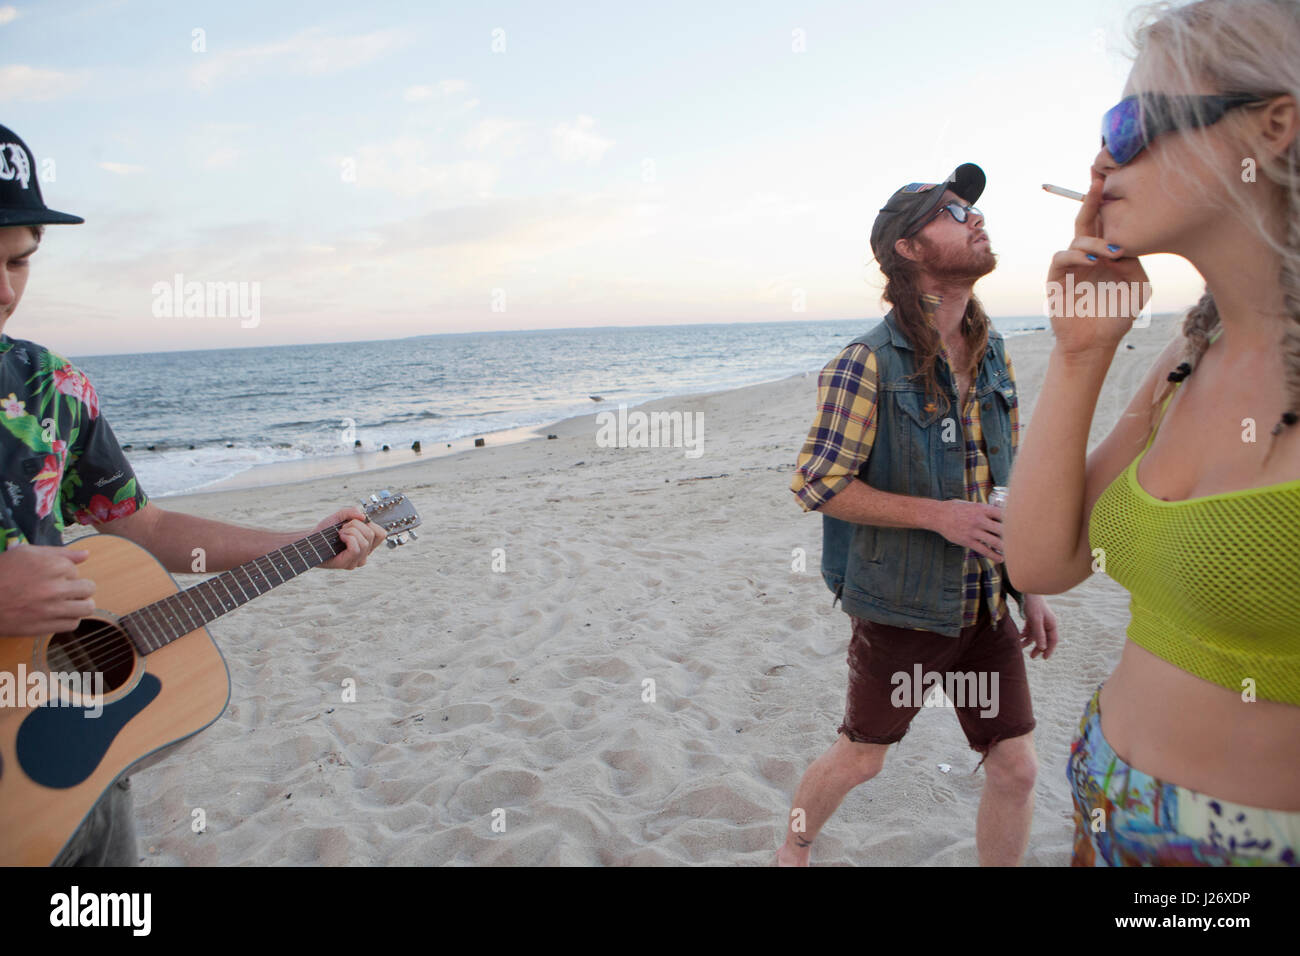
x=59, y=459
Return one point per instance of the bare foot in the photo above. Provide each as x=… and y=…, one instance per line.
x=789, y=855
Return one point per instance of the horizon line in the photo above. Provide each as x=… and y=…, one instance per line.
x=579, y=328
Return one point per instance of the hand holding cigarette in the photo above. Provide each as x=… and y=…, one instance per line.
x=1095, y=289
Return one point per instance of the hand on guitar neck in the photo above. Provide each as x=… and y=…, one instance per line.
x=359, y=534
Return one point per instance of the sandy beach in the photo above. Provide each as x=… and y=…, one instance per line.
x=517, y=696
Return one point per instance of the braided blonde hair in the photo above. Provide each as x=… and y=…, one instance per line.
x=1239, y=46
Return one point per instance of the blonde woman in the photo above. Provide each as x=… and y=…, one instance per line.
x=1189, y=753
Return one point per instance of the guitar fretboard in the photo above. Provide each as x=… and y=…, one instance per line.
x=157, y=625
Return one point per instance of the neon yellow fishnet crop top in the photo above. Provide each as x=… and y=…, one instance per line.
x=1214, y=581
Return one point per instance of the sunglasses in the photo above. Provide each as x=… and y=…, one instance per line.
x=955, y=209
x=1131, y=124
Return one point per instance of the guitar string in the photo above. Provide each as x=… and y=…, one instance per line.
x=94, y=642
x=109, y=634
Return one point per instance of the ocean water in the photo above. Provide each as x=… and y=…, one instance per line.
x=195, y=418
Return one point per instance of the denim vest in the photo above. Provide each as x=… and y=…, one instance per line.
x=911, y=577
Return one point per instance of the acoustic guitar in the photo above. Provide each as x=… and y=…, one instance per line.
x=81, y=708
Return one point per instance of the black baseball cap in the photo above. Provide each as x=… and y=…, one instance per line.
x=20, y=194
x=910, y=206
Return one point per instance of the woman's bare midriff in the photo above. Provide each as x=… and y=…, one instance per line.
x=1184, y=730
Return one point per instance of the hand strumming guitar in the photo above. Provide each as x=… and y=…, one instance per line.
x=40, y=592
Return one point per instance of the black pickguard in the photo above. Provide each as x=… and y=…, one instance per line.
x=60, y=747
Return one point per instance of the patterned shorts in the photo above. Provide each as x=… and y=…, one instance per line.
x=1124, y=817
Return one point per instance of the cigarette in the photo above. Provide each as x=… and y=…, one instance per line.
x=1062, y=191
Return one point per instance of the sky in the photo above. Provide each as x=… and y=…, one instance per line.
x=381, y=170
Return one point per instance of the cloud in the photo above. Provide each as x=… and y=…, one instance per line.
x=20, y=83
x=510, y=228
x=734, y=212
x=564, y=259
x=577, y=142
x=217, y=145
x=405, y=167
x=8, y=15
x=491, y=131
x=222, y=158
x=415, y=94
x=308, y=53
x=122, y=169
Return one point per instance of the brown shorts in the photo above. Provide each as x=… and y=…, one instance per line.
x=893, y=672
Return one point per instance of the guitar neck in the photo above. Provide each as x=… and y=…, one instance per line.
x=156, y=625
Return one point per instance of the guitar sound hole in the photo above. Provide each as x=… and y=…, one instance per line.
x=95, y=646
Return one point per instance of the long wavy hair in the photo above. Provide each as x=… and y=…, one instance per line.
x=1247, y=46
x=903, y=293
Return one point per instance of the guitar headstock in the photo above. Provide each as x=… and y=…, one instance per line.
x=395, y=514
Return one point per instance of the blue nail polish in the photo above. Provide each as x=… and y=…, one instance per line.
x=1112, y=247
x=1092, y=257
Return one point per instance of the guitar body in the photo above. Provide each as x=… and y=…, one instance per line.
x=55, y=761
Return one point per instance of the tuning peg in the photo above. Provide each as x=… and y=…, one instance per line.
x=390, y=542
x=413, y=535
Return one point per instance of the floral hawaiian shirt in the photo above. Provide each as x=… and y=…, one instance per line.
x=58, y=455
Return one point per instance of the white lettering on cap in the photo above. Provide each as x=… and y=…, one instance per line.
x=21, y=170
